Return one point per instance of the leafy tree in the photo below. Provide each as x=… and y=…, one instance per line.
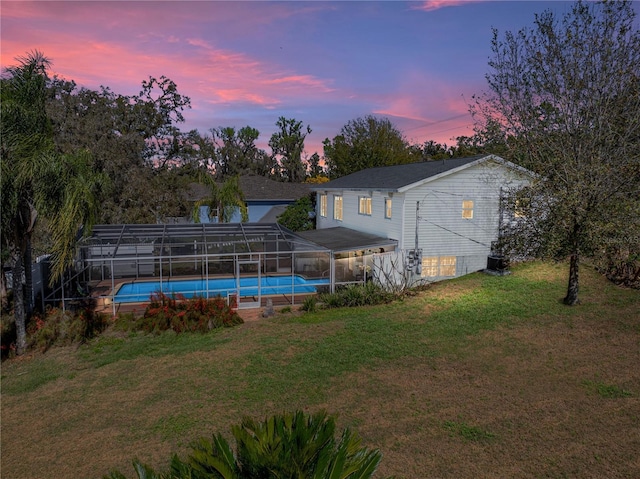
x=223, y=200
x=36, y=179
x=288, y=145
x=237, y=153
x=315, y=168
x=300, y=215
x=292, y=446
x=131, y=139
x=564, y=94
x=365, y=143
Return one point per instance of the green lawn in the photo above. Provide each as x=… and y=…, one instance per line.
x=481, y=376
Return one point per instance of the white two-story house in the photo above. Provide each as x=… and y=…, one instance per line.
x=443, y=216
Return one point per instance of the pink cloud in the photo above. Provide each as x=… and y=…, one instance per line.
x=425, y=107
x=430, y=5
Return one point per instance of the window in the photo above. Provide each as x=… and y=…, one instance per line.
x=447, y=265
x=521, y=207
x=430, y=267
x=387, y=208
x=323, y=206
x=337, y=208
x=467, y=209
x=438, y=266
x=364, y=205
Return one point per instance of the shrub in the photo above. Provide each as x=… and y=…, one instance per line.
x=179, y=314
x=309, y=304
x=289, y=446
x=357, y=295
x=58, y=327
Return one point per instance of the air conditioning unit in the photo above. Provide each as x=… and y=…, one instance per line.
x=496, y=263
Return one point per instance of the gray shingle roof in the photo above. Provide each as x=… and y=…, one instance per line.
x=340, y=239
x=258, y=188
x=394, y=177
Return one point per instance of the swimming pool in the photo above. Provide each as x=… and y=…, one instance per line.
x=139, y=291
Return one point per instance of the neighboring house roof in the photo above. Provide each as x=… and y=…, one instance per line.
x=259, y=188
x=402, y=177
x=345, y=239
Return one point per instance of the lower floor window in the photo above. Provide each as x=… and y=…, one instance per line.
x=438, y=266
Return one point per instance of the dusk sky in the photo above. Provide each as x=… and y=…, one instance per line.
x=248, y=63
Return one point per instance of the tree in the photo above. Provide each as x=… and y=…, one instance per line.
x=131, y=139
x=365, y=143
x=300, y=215
x=36, y=179
x=288, y=145
x=237, y=153
x=564, y=94
x=25, y=138
x=223, y=200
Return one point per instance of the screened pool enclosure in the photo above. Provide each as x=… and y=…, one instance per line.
x=121, y=265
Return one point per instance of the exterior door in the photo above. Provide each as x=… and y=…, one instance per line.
x=248, y=283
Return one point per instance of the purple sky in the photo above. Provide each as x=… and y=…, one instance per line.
x=248, y=63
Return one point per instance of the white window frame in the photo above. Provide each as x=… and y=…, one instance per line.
x=337, y=207
x=388, y=208
x=323, y=205
x=364, y=205
x=467, y=209
x=439, y=266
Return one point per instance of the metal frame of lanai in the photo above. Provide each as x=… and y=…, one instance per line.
x=116, y=254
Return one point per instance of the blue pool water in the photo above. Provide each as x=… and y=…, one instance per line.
x=138, y=292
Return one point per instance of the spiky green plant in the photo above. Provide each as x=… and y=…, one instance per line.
x=292, y=446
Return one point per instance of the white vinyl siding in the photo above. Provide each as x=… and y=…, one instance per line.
x=459, y=245
x=442, y=229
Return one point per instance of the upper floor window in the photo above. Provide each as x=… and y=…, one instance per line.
x=364, y=205
x=387, y=208
x=521, y=207
x=323, y=206
x=337, y=208
x=467, y=209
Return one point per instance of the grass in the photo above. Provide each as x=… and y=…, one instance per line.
x=467, y=432
x=481, y=376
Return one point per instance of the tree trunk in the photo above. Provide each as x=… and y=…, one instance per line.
x=28, y=278
x=18, y=303
x=571, y=298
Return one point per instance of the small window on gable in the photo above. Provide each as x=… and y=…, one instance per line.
x=337, y=208
x=364, y=205
x=323, y=206
x=521, y=207
x=387, y=208
x=467, y=209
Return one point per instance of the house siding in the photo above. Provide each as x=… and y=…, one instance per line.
x=376, y=223
x=442, y=230
x=443, y=233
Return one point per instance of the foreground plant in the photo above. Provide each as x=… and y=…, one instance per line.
x=292, y=446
